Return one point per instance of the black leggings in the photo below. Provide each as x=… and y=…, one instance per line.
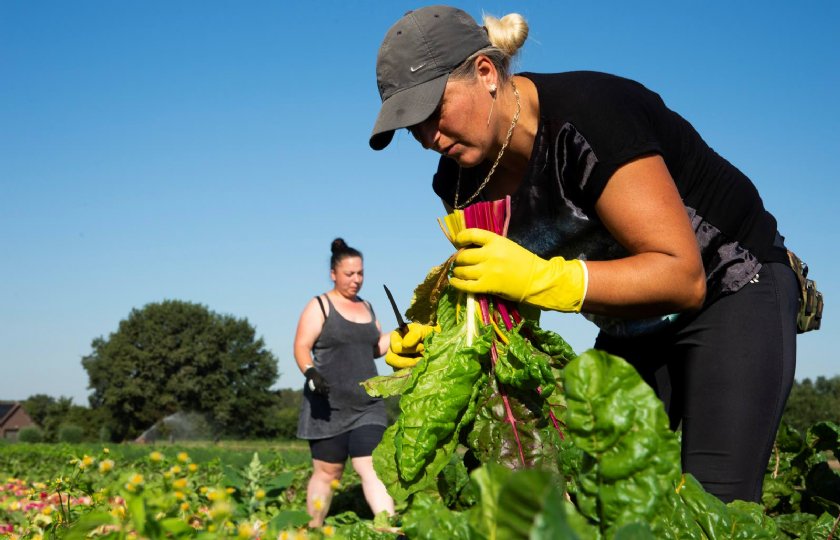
x=724, y=374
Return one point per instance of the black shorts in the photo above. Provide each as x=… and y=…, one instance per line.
x=358, y=442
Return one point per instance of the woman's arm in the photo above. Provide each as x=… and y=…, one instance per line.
x=384, y=341
x=309, y=328
x=642, y=209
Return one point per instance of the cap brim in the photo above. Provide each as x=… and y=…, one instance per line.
x=406, y=108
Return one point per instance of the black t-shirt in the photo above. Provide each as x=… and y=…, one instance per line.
x=590, y=125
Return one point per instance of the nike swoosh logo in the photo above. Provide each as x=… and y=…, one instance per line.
x=413, y=68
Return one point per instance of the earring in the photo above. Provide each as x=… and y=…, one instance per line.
x=492, y=93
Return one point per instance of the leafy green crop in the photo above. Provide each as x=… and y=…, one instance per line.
x=426, y=433
x=621, y=480
x=559, y=445
x=452, y=395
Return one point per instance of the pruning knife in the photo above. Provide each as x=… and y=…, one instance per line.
x=402, y=324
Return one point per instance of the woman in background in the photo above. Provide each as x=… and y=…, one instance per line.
x=336, y=342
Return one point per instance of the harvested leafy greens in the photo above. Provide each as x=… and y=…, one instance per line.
x=561, y=446
x=488, y=380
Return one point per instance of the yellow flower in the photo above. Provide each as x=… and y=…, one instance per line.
x=106, y=451
x=118, y=511
x=230, y=490
x=85, y=462
x=284, y=535
x=106, y=465
x=202, y=490
x=167, y=474
x=47, y=510
x=192, y=467
x=245, y=531
x=176, y=469
x=328, y=530
x=180, y=483
x=335, y=484
x=183, y=457
x=156, y=456
x=135, y=481
x=180, y=495
x=318, y=503
x=41, y=521
x=259, y=494
x=185, y=506
x=220, y=510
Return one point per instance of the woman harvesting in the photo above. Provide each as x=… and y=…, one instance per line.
x=619, y=210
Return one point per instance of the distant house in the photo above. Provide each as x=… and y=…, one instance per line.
x=12, y=419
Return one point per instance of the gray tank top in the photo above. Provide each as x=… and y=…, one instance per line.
x=343, y=354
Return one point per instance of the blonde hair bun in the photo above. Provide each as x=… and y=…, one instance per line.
x=508, y=33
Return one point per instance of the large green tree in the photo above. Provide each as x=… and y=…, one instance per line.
x=180, y=356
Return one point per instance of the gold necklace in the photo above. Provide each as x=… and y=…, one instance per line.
x=498, y=158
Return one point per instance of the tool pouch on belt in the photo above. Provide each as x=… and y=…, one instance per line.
x=810, y=299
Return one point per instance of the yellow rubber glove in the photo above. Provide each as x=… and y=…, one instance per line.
x=407, y=348
x=492, y=264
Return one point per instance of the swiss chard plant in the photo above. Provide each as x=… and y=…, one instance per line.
x=504, y=432
x=488, y=381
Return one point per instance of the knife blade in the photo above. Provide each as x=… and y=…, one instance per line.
x=403, y=326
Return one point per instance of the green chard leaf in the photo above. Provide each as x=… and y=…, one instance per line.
x=550, y=343
x=825, y=527
x=430, y=519
x=423, y=308
x=438, y=400
x=494, y=439
x=522, y=504
x=430, y=417
x=454, y=484
x=388, y=385
x=796, y=524
x=739, y=519
x=632, y=459
x=824, y=436
x=631, y=467
x=521, y=365
x=799, y=478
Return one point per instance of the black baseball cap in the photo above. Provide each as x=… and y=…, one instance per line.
x=414, y=62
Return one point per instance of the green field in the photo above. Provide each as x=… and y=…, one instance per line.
x=235, y=489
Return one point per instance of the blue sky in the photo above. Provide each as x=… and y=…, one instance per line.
x=210, y=151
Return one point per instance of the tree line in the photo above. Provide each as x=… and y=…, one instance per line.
x=180, y=360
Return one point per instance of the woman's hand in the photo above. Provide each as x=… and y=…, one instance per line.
x=407, y=347
x=316, y=382
x=492, y=264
